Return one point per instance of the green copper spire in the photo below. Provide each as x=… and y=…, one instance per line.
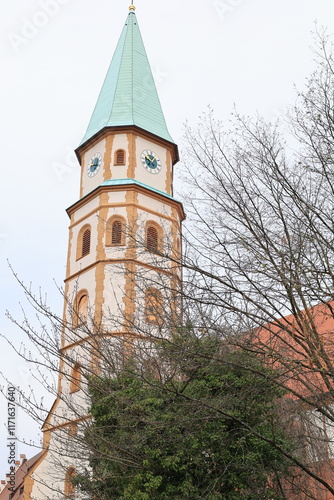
x=128, y=95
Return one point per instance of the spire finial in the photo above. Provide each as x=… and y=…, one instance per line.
x=132, y=7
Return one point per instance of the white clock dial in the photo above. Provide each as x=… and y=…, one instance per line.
x=94, y=165
x=151, y=161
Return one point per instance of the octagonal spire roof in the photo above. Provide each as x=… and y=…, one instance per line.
x=129, y=95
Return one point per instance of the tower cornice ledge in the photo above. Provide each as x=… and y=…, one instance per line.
x=137, y=262
x=128, y=185
x=81, y=150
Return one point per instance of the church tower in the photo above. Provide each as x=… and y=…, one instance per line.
x=124, y=249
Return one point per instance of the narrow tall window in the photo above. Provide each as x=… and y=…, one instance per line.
x=120, y=157
x=80, y=309
x=75, y=378
x=83, y=308
x=85, y=242
x=152, y=239
x=116, y=233
x=69, y=488
x=153, y=307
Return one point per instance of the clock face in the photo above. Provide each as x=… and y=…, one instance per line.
x=151, y=161
x=94, y=165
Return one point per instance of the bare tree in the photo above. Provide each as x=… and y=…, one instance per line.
x=76, y=439
x=261, y=249
x=166, y=358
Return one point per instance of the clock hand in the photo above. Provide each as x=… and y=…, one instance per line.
x=150, y=159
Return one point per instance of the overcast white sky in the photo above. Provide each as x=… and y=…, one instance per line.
x=54, y=56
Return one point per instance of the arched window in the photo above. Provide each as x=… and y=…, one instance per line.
x=153, y=306
x=75, y=378
x=119, y=157
x=83, y=246
x=153, y=237
x=69, y=488
x=116, y=231
x=80, y=309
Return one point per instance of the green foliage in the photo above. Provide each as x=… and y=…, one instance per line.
x=197, y=434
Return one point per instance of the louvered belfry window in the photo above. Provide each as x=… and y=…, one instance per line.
x=120, y=157
x=85, y=243
x=116, y=233
x=152, y=239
